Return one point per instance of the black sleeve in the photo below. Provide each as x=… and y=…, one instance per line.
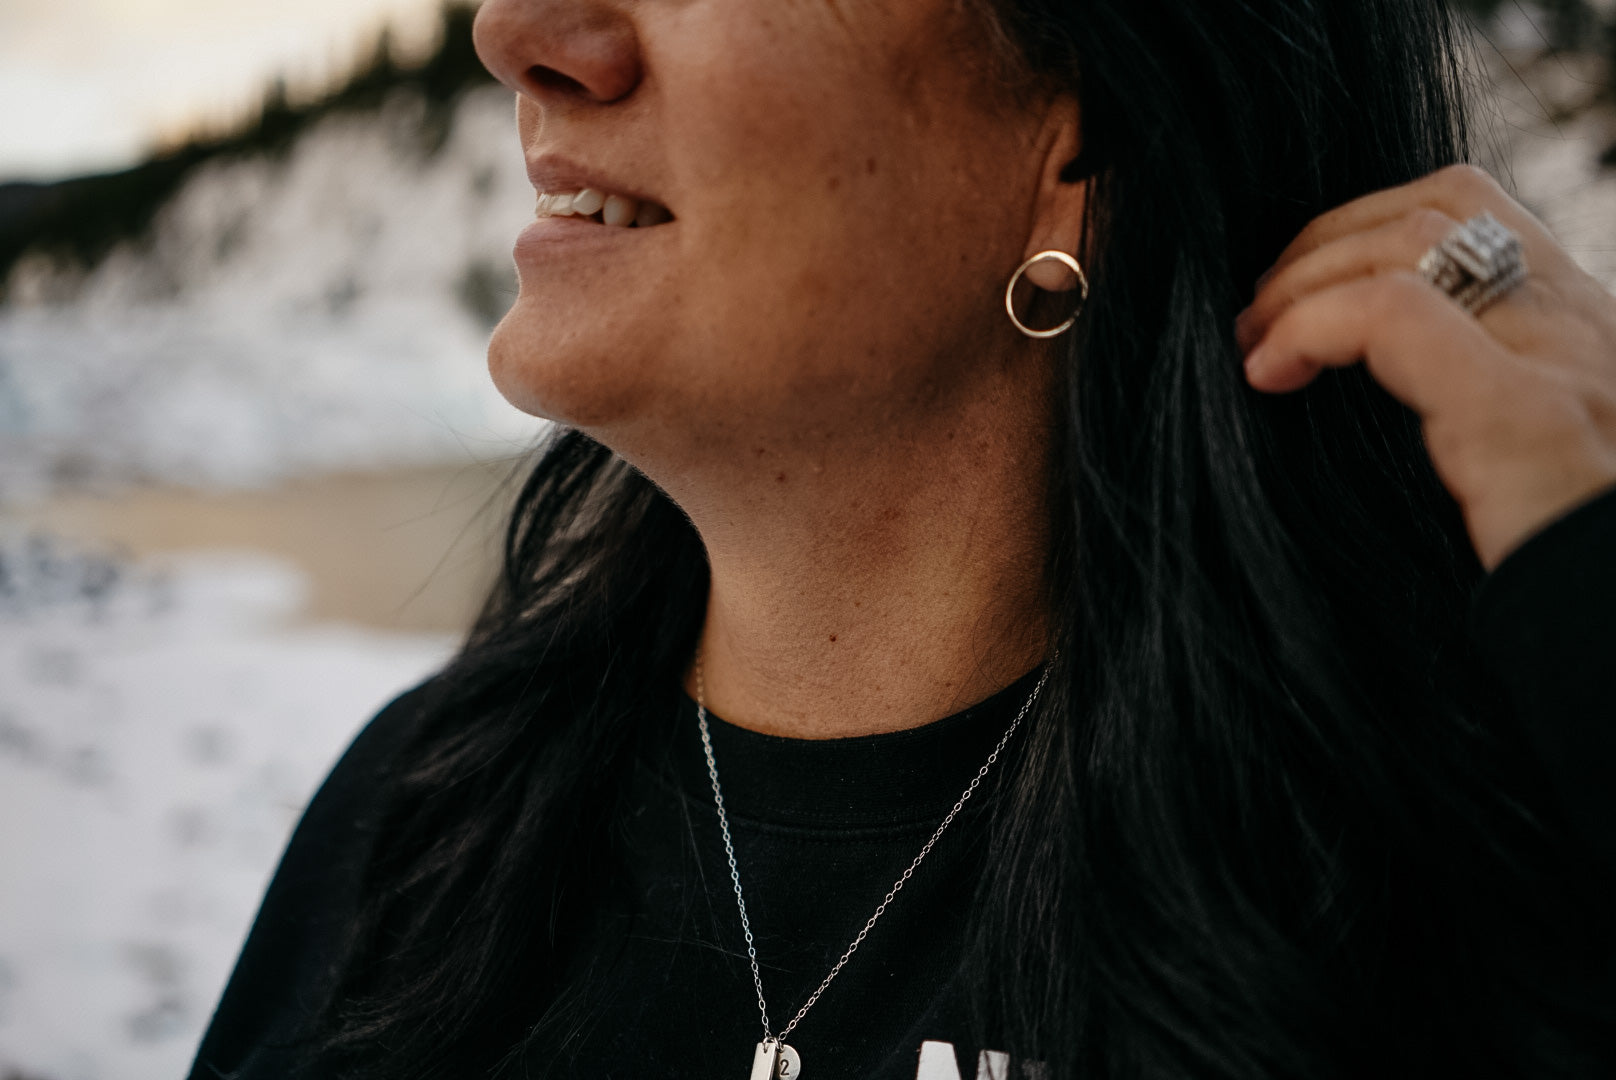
x=281, y=976
x=1546, y=620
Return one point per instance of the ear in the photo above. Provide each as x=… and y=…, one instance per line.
x=1063, y=194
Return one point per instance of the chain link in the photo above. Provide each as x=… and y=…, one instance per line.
x=897, y=886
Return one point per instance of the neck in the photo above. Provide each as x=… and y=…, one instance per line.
x=869, y=588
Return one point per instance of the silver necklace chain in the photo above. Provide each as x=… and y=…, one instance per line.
x=897, y=886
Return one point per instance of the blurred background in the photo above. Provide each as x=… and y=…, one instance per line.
x=252, y=470
x=251, y=465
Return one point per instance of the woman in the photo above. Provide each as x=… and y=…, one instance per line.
x=1174, y=597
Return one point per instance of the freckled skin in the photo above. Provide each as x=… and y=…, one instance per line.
x=798, y=300
x=812, y=359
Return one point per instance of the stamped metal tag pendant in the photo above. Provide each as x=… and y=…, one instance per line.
x=774, y=1060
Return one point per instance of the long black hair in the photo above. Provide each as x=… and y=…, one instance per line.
x=1295, y=833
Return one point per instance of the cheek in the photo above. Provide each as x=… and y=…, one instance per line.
x=868, y=228
x=884, y=296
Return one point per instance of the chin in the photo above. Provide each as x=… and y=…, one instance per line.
x=586, y=381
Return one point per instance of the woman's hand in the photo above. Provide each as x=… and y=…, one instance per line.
x=1518, y=405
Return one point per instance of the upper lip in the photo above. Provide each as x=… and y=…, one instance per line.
x=554, y=174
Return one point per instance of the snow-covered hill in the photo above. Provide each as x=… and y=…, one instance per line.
x=323, y=310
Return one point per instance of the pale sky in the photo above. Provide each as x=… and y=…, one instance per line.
x=92, y=84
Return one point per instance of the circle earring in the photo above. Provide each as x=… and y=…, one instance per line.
x=1082, y=286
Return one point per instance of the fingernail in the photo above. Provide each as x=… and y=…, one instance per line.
x=1256, y=361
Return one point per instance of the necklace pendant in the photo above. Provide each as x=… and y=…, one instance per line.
x=774, y=1060
x=764, y=1058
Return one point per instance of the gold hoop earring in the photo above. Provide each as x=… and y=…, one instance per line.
x=1082, y=285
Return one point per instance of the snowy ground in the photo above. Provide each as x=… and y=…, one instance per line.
x=160, y=731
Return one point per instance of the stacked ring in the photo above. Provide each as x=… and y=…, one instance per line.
x=1477, y=263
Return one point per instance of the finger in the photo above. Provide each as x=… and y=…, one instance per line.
x=1396, y=245
x=1418, y=344
x=1460, y=191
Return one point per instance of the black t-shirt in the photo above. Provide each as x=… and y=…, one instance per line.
x=821, y=831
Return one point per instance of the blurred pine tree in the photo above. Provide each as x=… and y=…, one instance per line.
x=81, y=219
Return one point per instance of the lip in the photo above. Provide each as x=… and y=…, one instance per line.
x=548, y=239
x=554, y=174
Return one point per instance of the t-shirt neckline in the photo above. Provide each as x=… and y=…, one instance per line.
x=890, y=779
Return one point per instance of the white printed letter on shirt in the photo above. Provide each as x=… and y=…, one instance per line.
x=937, y=1062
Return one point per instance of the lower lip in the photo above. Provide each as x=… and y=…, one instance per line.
x=548, y=236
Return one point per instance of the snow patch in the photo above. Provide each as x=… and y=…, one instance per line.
x=159, y=738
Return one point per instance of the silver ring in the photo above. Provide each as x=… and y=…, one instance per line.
x=1477, y=263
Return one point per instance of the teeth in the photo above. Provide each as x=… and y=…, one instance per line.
x=616, y=210
x=619, y=210
x=555, y=205
x=587, y=201
x=651, y=214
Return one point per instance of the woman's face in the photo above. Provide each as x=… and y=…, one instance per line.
x=849, y=183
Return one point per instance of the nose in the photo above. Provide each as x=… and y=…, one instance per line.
x=556, y=51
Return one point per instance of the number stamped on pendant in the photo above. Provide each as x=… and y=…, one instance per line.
x=775, y=1060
